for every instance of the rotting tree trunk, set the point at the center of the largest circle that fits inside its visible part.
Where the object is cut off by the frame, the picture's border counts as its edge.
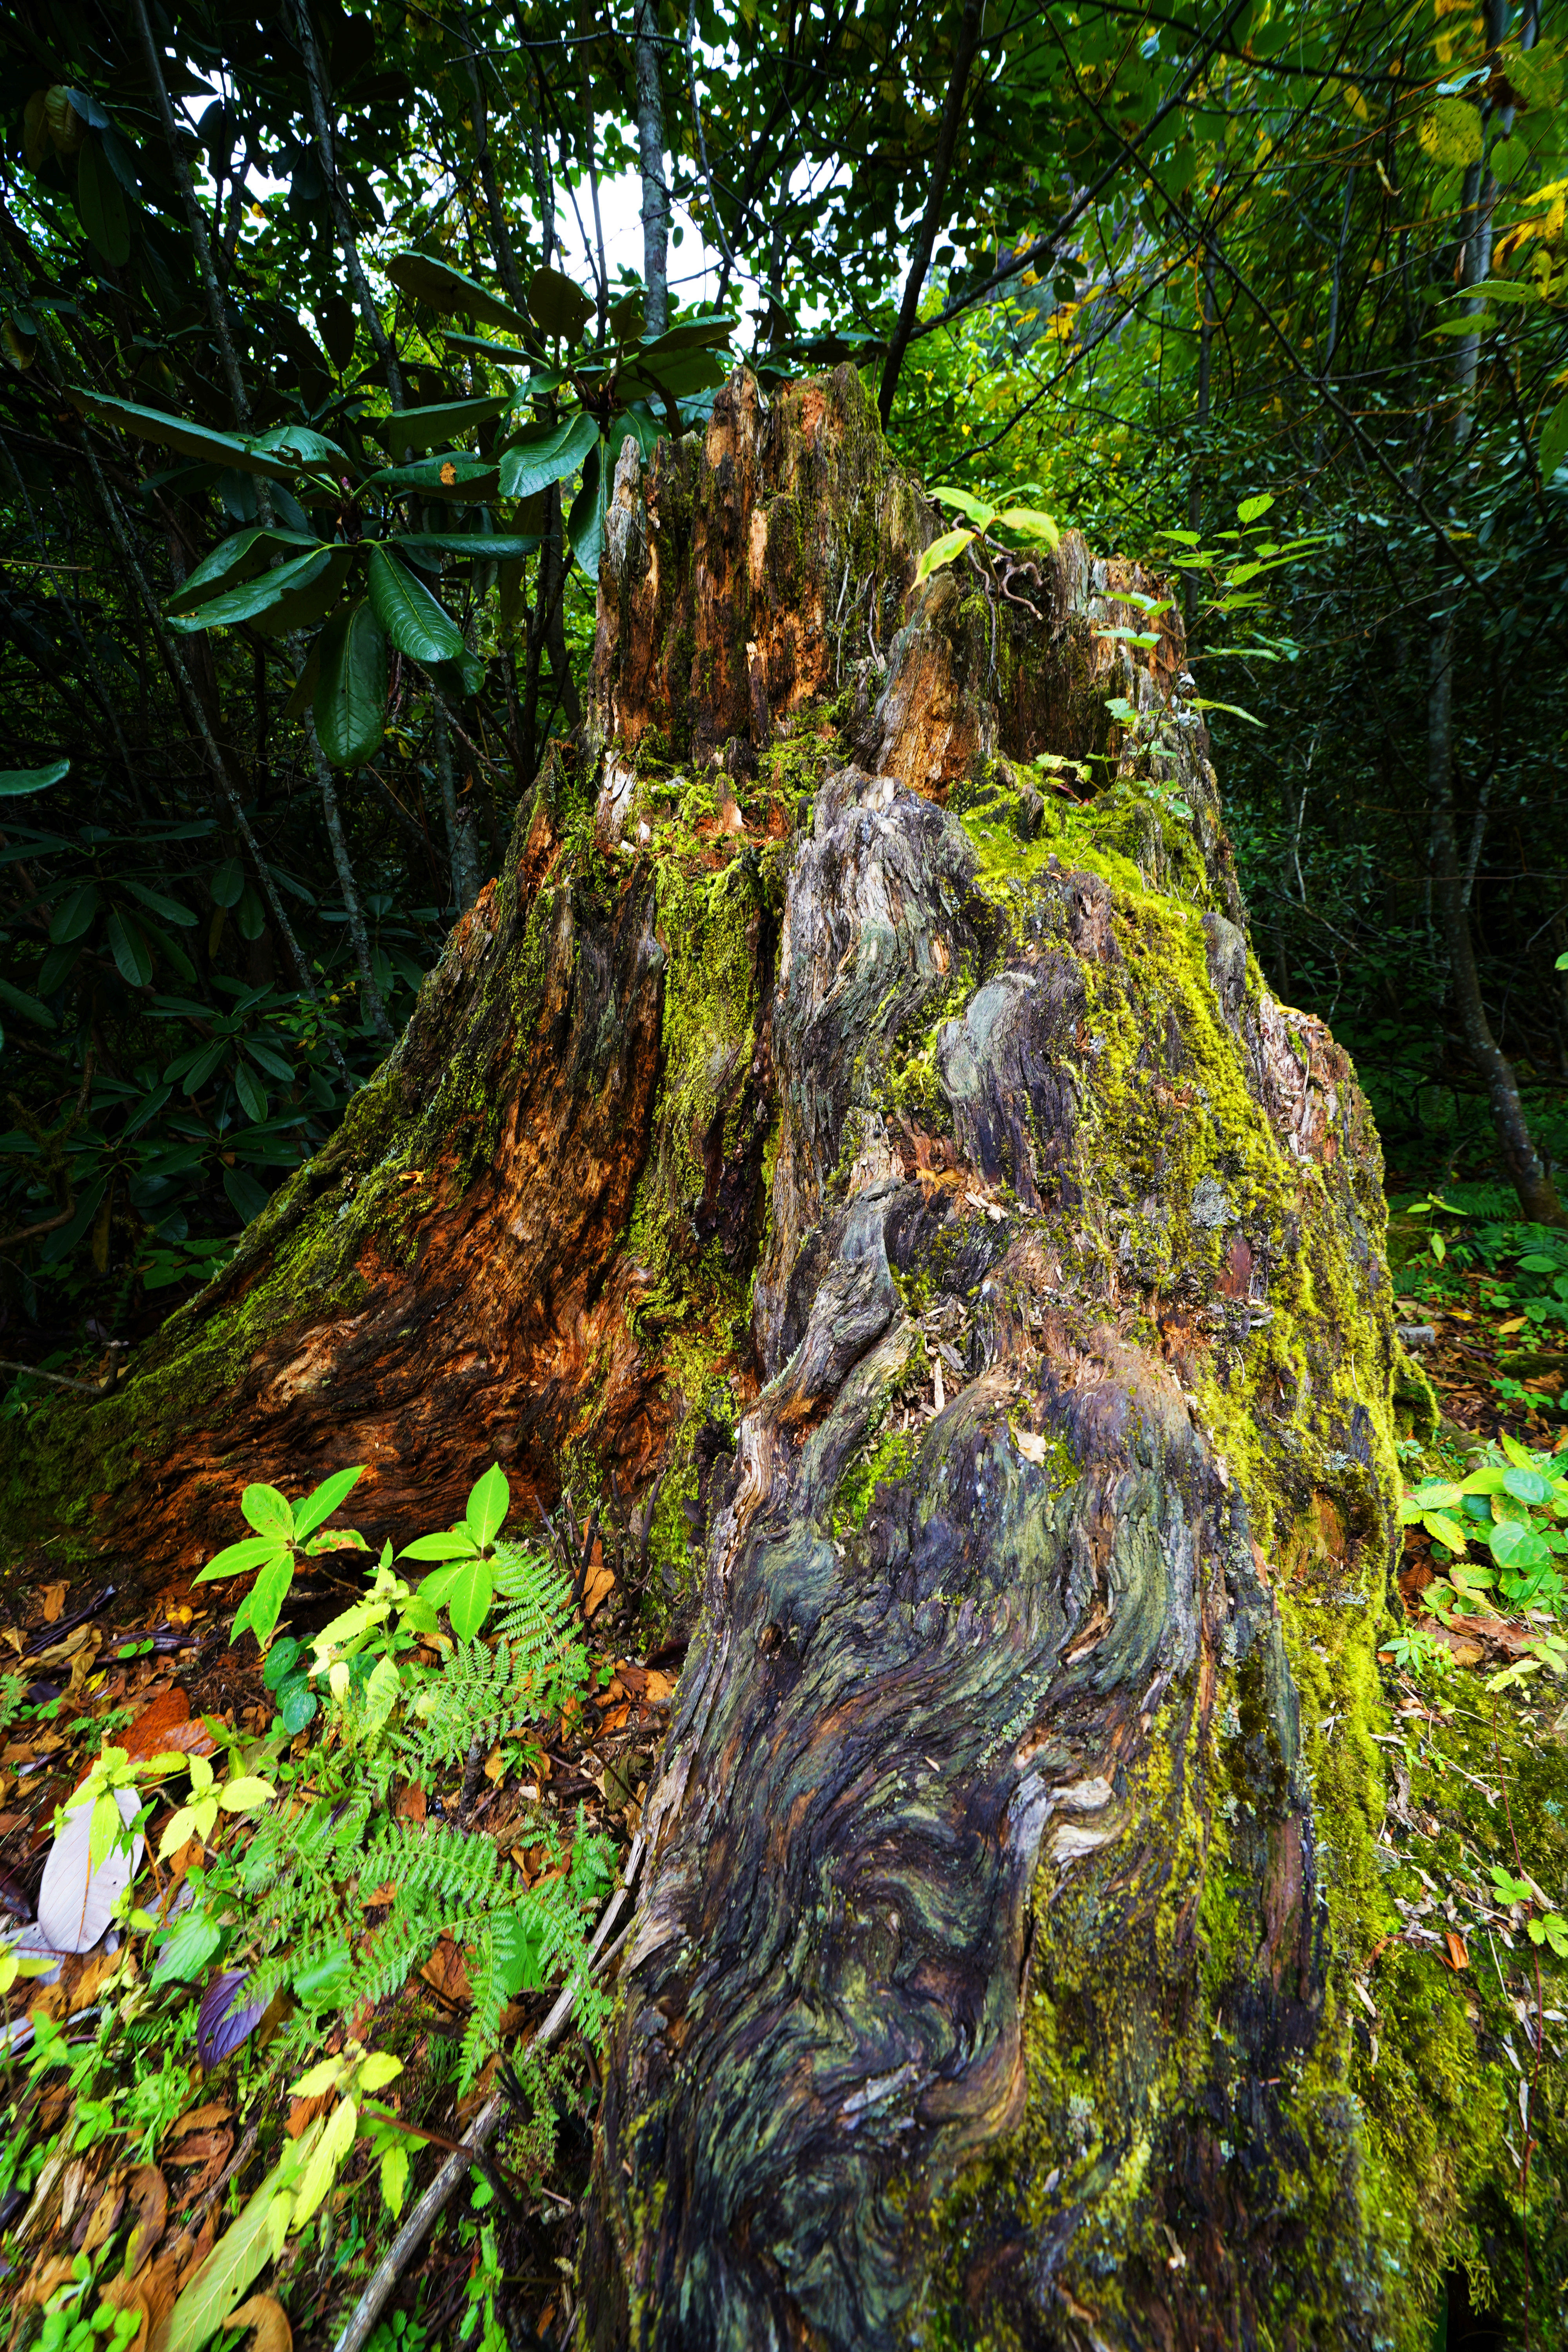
(911, 1166)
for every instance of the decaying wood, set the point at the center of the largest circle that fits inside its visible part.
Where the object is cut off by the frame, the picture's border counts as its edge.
(983, 1985)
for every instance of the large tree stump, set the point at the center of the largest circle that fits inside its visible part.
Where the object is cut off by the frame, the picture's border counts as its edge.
(857, 1098)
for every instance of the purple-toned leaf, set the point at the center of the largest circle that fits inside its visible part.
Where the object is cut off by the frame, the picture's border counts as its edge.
(226, 2018)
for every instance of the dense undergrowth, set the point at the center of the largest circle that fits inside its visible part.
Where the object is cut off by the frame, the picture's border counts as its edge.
(284, 1942)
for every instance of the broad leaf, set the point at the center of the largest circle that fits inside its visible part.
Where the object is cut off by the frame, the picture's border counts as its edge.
(448, 291)
(351, 695)
(128, 948)
(268, 1511)
(263, 1604)
(180, 433)
(75, 1901)
(416, 624)
(250, 548)
(546, 454)
(488, 1505)
(503, 547)
(585, 523)
(435, 428)
(239, 2256)
(323, 1501)
(249, 1552)
(257, 595)
(942, 551)
(185, 1952)
(558, 306)
(455, 1543)
(467, 1587)
(101, 201)
(15, 782)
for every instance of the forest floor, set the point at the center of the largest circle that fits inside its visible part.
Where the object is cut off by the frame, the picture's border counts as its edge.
(131, 2150)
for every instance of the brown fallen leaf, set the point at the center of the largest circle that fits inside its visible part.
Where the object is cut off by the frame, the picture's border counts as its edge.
(266, 2315)
(104, 2219)
(411, 1804)
(597, 1587)
(445, 1973)
(47, 2275)
(1458, 1957)
(147, 2194)
(214, 2149)
(304, 2112)
(54, 1602)
(216, 2111)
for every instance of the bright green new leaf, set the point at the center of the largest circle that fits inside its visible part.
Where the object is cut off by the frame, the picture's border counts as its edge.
(379, 2069)
(1444, 1530)
(268, 1511)
(488, 1505)
(263, 1604)
(416, 622)
(323, 1501)
(1030, 522)
(381, 1693)
(242, 1796)
(454, 1543)
(466, 1586)
(1250, 509)
(394, 2179)
(942, 551)
(981, 512)
(249, 1552)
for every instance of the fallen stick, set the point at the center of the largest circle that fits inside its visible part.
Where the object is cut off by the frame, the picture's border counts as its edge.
(417, 2228)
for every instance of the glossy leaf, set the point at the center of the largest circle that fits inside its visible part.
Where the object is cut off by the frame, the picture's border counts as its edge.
(585, 523)
(546, 454)
(488, 1503)
(503, 547)
(255, 596)
(942, 551)
(437, 428)
(226, 2018)
(263, 1604)
(324, 1499)
(557, 305)
(350, 696)
(235, 1559)
(268, 1511)
(182, 432)
(128, 948)
(15, 782)
(467, 1587)
(414, 622)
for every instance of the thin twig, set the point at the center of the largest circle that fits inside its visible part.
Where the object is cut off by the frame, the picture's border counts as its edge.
(417, 2227)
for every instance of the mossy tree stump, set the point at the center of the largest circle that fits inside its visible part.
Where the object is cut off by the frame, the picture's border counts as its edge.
(880, 1125)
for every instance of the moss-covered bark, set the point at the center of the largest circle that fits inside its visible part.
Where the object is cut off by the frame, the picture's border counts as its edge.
(857, 1105)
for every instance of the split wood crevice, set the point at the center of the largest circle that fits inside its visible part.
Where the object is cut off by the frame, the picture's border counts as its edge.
(989, 1976)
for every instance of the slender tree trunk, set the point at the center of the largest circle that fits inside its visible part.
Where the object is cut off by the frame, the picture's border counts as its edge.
(1450, 893)
(1007, 1915)
(372, 1006)
(650, 155)
(348, 245)
(1201, 418)
(971, 26)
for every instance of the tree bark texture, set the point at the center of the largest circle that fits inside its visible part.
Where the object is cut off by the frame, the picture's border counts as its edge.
(858, 1106)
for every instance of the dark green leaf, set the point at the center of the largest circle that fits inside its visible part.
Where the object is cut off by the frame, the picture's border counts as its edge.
(27, 1007)
(413, 619)
(585, 523)
(101, 201)
(500, 547)
(170, 909)
(448, 291)
(179, 433)
(74, 915)
(257, 595)
(351, 698)
(545, 454)
(435, 428)
(227, 883)
(1555, 439)
(558, 306)
(15, 782)
(128, 948)
(246, 552)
